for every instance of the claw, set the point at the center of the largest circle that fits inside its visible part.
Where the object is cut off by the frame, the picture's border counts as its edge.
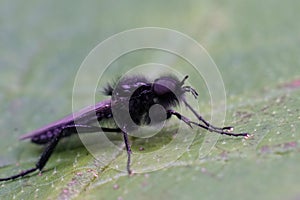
(247, 136)
(187, 121)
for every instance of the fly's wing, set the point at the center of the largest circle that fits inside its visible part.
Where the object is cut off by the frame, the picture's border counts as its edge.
(84, 116)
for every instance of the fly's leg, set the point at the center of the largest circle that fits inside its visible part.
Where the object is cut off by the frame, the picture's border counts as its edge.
(48, 152)
(87, 129)
(78, 128)
(67, 130)
(207, 124)
(41, 162)
(128, 149)
(23, 173)
(209, 128)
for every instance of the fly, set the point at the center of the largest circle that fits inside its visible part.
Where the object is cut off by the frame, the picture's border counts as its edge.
(166, 91)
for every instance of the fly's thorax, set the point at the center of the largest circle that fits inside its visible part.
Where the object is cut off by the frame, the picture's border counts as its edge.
(134, 97)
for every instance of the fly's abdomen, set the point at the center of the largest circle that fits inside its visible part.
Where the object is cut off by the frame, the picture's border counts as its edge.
(46, 136)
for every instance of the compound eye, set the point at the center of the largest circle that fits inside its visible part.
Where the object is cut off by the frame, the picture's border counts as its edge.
(160, 89)
(161, 86)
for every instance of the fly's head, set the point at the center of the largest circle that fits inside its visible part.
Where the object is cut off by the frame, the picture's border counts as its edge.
(169, 91)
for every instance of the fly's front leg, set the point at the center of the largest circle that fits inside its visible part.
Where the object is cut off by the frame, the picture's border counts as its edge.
(207, 124)
(209, 128)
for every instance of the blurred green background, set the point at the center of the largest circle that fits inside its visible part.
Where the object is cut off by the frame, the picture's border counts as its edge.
(255, 44)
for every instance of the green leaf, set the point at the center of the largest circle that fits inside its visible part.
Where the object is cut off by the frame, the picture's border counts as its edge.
(255, 45)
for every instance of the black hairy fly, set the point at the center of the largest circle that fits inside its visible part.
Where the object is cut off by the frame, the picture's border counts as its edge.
(167, 91)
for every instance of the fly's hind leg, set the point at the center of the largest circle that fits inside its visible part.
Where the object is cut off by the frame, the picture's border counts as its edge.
(67, 130)
(78, 128)
(42, 160)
